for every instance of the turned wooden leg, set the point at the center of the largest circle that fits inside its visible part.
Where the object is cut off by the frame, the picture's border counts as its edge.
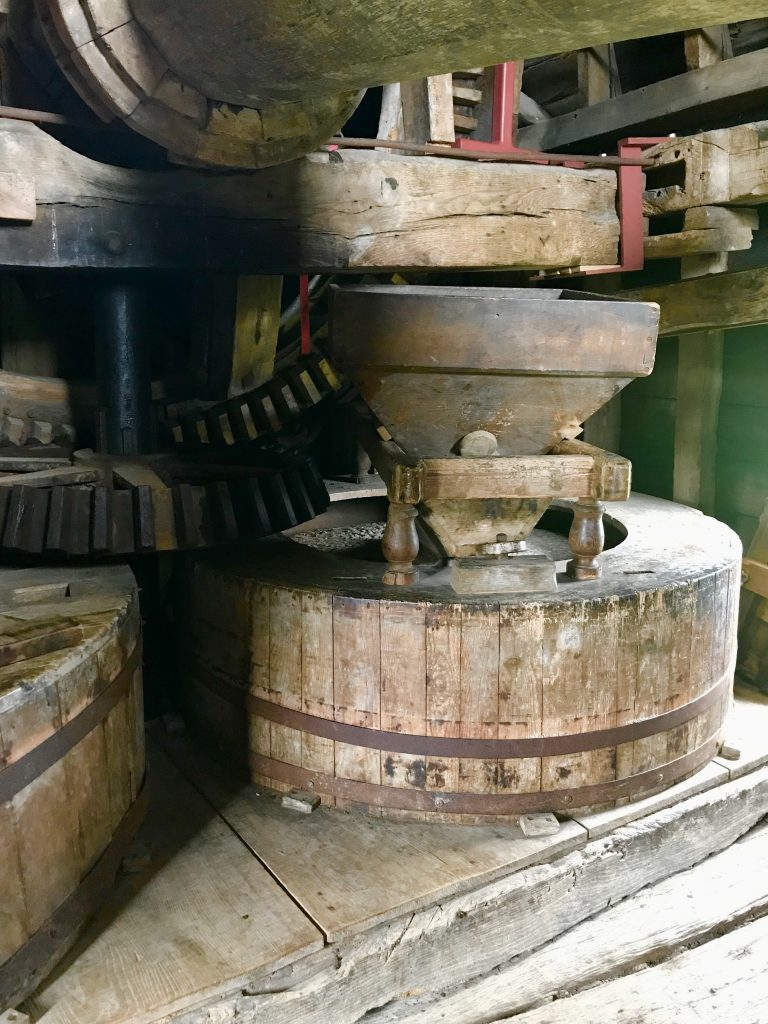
(400, 545)
(586, 539)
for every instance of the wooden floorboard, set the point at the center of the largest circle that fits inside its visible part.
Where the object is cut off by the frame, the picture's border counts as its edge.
(688, 908)
(227, 926)
(350, 871)
(726, 979)
(202, 914)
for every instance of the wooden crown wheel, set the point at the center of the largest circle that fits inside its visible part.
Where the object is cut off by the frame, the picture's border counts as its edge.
(98, 505)
(71, 757)
(116, 68)
(273, 408)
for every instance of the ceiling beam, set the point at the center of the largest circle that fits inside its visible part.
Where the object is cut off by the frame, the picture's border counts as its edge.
(691, 101)
(709, 303)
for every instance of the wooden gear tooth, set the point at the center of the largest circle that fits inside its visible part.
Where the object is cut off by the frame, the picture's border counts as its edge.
(73, 510)
(258, 414)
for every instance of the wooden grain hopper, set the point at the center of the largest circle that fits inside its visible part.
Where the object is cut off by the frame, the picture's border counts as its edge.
(479, 394)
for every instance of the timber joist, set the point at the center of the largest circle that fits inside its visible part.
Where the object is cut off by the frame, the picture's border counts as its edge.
(257, 415)
(98, 506)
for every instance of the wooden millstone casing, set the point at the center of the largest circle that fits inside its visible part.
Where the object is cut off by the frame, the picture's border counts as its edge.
(72, 757)
(423, 703)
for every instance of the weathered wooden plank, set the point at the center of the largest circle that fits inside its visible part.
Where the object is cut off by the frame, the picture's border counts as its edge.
(339, 211)
(709, 303)
(427, 948)
(723, 977)
(222, 914)
(685, 101)
(687, 908)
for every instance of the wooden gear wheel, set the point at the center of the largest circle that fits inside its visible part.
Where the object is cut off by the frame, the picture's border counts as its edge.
(43, 411)
(273, 408)
(116, 68)
(99, 505)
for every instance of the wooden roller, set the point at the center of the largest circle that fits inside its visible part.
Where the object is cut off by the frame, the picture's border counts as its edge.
(71, 757)
(430, 704)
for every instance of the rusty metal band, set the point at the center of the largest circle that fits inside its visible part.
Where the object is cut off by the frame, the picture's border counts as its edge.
(22, 973)
(15, 776)
(449, 746)
(441, 802)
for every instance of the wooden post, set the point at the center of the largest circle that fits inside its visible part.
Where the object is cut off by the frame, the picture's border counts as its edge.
(705, 46)
(243, 333)
(699, 386)
(594, 73)
(700, 355)
(428, 109)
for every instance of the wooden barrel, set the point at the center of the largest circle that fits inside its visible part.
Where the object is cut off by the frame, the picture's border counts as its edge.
(72, 748)
(416, 701)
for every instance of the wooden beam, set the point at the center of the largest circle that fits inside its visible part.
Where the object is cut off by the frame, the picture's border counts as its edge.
(328, 212)
(687, 101)
(709, 303)
(725, 166)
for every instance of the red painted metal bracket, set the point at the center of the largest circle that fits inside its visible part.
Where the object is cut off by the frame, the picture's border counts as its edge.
(502, 115)
(629, 202)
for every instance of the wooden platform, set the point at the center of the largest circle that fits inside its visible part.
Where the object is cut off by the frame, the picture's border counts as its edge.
(237, 910)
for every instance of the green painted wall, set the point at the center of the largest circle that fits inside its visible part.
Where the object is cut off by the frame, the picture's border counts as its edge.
(648, 424)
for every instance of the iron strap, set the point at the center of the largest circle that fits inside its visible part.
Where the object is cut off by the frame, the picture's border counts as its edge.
(449, 746)
(416, 799)
(22, 973)
(17, 775)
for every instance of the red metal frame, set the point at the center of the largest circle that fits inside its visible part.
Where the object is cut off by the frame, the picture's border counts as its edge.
(502, 115)
(306, 333)
(629, 201)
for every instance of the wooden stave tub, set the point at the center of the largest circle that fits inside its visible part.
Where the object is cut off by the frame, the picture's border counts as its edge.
(684, 570)
(72, 745)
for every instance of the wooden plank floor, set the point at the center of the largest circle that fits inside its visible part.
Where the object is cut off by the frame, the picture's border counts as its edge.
(248, 912)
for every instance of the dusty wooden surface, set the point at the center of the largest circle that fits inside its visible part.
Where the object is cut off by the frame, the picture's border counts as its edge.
(340, 211)
(68, 639)
(190, 964)
(733, 299)
(528, 365)
(318, 634)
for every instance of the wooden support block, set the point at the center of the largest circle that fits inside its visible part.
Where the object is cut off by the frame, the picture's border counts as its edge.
(513, 574)
(17, 197)
(594, 74)
(705, 46)
(757, 577)
(428, 109)
(706, 229)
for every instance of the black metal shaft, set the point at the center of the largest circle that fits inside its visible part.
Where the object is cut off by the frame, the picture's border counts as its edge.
(123, 366)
